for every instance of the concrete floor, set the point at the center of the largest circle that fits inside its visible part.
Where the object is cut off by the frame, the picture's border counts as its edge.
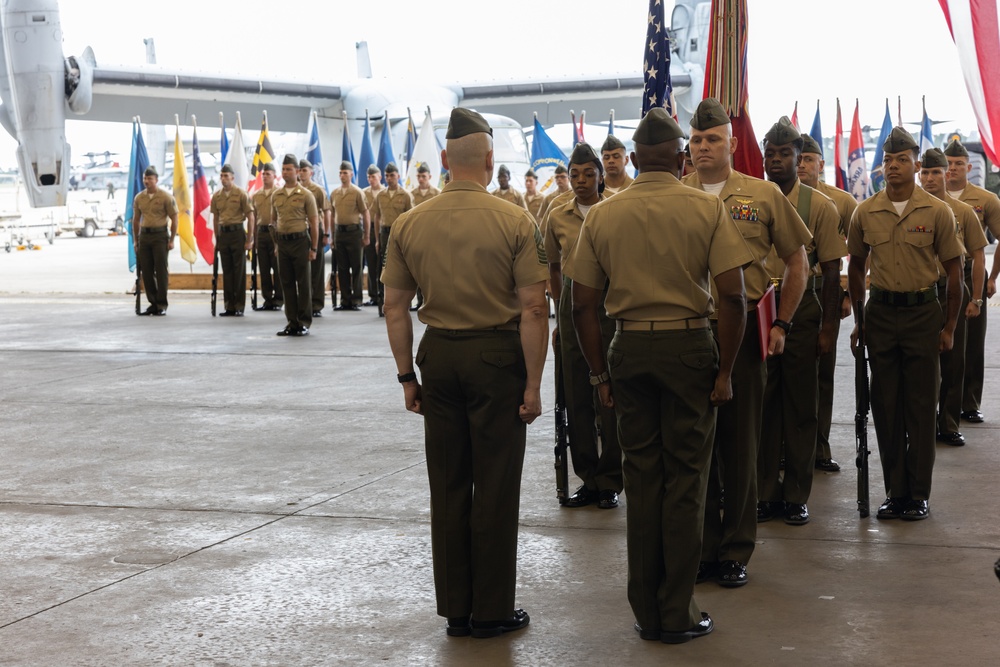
(196, 491)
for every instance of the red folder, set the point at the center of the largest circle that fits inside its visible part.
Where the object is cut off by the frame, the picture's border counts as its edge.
(767, 312)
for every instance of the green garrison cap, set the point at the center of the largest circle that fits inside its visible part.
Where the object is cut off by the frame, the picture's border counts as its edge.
(423, 169)
(503, 170)
(560, 169)
(709, 114)
(226, 169)
(373, 170)
(956, 149)
(150, 171)
(391, 168)
(612, 143)
(933, 157)
(782, 132)
(346, 166)
(809, 145)
(899, 141)
(531, 174)
(305, 164)
(466, 121)
(290, 159)
(656, 127)
(268, 166)
(584, 153)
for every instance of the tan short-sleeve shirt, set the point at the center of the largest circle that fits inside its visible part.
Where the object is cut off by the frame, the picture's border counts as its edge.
(845, 203)
(232, 207)
(349, 204)
(155, 209)
(262, 207)
(319, 194)
(534, 204)
(511, 195)
(370, 197)
(391, 204)
(904, 248)
(823, 223)
(969, 229)
(562, 231)
(420, 197)
(985, 204)
(292, 210)
(658, 242)
(468, 252)
(765, 218)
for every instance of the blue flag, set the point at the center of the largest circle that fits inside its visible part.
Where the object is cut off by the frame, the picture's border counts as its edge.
(656, 65)
(926, 134)
(347, 154)
(314, 154)
(877, 182)
(138, 161)
(817, 132)
(545, 157)
(224, 145)
(367, 156)
(385, 152)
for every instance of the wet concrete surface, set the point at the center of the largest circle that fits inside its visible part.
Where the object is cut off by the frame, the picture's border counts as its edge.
(196, 491)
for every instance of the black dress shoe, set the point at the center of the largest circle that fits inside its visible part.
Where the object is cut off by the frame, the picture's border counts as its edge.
(370, 302)
(582, 497)
(159, 312)
(607, 499)
(287, 331)
(891, 508)
(317, 313)
(952, 438)
(277, 306)
(732, 574)
(483, 629)
(703, 628)
(301, 331)
(915, 511)
(651, 635)
(148, 311)
(227, 313)
(340, 307)
(770, 509)
(974, 416)
(827, 465)
(796, 514)
(238, 313)
(706, 572)
(354, 306)
(458, 627)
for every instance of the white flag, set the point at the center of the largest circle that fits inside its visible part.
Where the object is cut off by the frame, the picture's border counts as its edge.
(425, 152)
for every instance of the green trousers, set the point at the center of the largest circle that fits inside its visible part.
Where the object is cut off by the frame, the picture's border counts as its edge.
(731, 531)
(790, 400)
(152, 256)
(593, 429)
(473, 386)
(296, 279)
(975, 350)
(233, 259)
(905, 374)
(953, 368)
(267, 267)
(317, 272)
(662, 382)
(350, 252)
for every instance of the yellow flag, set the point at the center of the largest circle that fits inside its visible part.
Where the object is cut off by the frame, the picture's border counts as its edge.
(185, 228)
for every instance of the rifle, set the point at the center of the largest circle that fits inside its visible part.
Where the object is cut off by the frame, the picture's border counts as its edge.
(253, 278)
(562, 440)
(138, 292)
(861, 392)
(215, 278)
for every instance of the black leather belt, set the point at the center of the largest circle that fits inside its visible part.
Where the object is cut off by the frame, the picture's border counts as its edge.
(153, 230)
(231, 228)
(904, 299)
(348, 228)
(292, 236)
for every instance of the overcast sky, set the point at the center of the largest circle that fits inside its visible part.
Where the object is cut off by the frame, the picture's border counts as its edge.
(798, 49)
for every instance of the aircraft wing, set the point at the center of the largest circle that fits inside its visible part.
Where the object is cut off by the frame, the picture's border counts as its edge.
(553, 99)
(156, 94)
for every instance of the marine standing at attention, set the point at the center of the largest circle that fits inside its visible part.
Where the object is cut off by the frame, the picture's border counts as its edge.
(230, 207)
(480, 360)
(154, 227)
(296, 221)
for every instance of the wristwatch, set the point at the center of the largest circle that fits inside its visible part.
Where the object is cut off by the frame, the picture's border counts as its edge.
(600, 378)
(978, 302)
(782, 324)
(406, 377)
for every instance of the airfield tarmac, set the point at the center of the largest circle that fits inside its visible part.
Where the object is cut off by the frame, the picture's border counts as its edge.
(196, 491)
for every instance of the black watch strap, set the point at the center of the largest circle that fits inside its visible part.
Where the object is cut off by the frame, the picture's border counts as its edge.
(782, 324)
(407, 377)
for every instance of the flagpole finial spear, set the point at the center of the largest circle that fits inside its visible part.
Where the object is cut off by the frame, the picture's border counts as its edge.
(222, 119)
(237, 117)
(194, 121)
(177, 120)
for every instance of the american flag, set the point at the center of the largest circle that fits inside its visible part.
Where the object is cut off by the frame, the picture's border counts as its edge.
(656, 64)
